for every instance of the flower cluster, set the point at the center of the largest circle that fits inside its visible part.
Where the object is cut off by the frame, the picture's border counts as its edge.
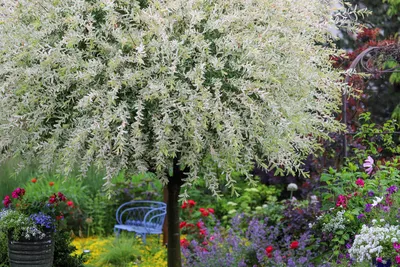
(194, 223)
(337, 222)
(379, 242)
(18, 193)
(44, 220)
(31, 218)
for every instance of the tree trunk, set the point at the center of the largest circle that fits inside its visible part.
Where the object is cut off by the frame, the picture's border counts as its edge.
(165, 226)
(174, 186)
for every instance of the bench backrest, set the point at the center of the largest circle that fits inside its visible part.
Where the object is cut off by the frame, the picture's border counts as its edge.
(142, 213)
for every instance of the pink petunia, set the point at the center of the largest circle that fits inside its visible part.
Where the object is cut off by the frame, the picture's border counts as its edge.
(360, 182)
(369, 165)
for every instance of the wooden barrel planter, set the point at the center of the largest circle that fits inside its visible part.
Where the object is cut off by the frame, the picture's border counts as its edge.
(31, 252)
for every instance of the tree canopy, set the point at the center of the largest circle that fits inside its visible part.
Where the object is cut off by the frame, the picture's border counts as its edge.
(132, 85)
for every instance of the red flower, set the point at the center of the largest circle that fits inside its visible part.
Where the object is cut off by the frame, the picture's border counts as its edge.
(294, 245)
(52, 199)
(34, 180)
(269, 255)
(211, 210)
(269, 249)
(203, 232)
(200, 224)
(191, 203)
(184, 243)
(182, 224)
(205, 213)
(184, 205)
(360, 182)
(70, 203)
(51, 183)
(205, 243)
(190, 225)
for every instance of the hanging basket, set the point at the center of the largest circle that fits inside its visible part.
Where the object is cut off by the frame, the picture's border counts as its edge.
(31, 252)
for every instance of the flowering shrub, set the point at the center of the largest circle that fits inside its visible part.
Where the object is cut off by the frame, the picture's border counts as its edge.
(195, 223)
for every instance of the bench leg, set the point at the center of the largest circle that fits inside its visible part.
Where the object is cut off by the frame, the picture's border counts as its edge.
(144, 238)
(117, 232)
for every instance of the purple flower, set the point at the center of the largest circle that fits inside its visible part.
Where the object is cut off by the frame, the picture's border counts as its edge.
(392, 189)
(348, 246)
(360, 216)
(369, 165)
(386, 208)
(368, 207)
(371, 193)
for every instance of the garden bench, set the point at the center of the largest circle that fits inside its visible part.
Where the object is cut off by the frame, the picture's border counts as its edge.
(142, 217)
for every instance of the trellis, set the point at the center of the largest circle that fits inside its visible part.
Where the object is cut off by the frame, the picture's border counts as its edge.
(367, 62)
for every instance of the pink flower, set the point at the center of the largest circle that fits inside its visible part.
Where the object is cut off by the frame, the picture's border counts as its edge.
(360, 182)
(396, 246)
(70, 204)
(379, 259)
(18, 192)
(6, 201)
(341, 201)
(397, 259)
(369, 165)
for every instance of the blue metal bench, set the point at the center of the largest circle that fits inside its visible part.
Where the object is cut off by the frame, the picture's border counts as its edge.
(142, 217)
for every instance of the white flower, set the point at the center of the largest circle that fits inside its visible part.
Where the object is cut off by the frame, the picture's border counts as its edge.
(292, 187)
(377, 201)
(314, 199)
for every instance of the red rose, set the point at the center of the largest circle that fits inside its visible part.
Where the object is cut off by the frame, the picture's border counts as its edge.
(200, 224)
(294, 245)
(202, 210)
(182, 224)
(269, 249)
(184, 243)
(184, 205)
(211, 210)
(191, 203)
(205, 213)
(70, 203)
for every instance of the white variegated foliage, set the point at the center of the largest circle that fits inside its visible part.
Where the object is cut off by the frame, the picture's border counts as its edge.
(224, 83)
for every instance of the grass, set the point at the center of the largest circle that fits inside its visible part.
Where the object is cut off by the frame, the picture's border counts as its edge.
(126, 251)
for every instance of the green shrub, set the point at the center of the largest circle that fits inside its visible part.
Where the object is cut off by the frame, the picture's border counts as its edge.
(63, 250)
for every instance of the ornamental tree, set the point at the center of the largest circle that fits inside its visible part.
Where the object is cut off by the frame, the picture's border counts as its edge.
(182, 88)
